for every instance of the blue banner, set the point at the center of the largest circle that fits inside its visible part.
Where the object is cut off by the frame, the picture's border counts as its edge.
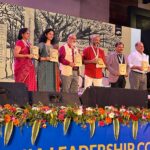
(78, 138)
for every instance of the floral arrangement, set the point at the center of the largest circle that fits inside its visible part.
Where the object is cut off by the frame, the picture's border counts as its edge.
(40, 116)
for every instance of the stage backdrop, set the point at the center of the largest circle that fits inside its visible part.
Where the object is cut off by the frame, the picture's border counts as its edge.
(13, 17)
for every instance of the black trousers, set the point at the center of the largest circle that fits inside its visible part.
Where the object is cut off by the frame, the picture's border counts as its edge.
(121, 83)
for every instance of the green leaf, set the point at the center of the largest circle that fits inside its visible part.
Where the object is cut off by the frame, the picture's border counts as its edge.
(134, 129)
(8, 132)
(35, 130)
(66, 125)
(92, 129)
(116, 128)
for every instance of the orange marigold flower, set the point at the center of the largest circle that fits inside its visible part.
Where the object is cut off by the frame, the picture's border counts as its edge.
(53, 109)
(44, 108)
(108, 120)
(44, 125)
(7, 118)
(101, 111)
(16, 122)
(26, 111)
(148, 116)
(7, 106)
(126, 114)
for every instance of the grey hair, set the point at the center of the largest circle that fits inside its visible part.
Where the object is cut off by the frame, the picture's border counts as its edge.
(71, 35)
(93, 36)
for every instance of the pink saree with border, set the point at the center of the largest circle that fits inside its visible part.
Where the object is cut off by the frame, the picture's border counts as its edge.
(24, 70)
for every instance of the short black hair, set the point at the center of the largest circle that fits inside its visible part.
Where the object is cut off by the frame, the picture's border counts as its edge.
(22, 31)
(119, 43)
(43, 37)
(137, 43)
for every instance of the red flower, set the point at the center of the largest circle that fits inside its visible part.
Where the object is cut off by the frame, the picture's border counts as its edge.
(101, 123)
(61, 116)
(134, 117)
(120, 120)
(13, 109)
(43, 121)
(62, 111)
(117, 113)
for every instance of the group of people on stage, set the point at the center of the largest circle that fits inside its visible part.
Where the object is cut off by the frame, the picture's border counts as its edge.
(51, 73)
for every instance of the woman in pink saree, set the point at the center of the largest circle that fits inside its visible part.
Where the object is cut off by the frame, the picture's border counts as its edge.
(24, 70)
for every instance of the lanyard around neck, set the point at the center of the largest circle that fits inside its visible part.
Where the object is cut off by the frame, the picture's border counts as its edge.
(96, 55)
(120, 58)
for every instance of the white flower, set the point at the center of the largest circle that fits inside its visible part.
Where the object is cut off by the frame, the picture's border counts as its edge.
(122, 110)
(79, 112)
(108, 107)
(48, 112)
(35, 108)
(138, 109)
(62, 107)
(89, 109)
(111, 115)
(1, 119)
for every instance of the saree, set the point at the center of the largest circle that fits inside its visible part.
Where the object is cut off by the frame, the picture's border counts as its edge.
(48, 77)
(24, 70)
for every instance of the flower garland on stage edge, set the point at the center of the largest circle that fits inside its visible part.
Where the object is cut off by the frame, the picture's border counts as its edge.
(39, 116)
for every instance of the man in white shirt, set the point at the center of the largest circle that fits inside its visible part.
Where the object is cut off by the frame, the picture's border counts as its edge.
(139, 65)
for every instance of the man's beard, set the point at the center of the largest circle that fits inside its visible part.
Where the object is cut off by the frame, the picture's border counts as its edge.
(96, 44)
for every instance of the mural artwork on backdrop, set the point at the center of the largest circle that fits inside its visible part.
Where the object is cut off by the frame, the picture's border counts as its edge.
(13, 17)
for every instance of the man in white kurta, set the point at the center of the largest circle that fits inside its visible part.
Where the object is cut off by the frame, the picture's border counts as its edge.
(69, 72)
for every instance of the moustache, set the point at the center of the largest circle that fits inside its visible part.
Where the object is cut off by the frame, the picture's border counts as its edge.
(96, 44)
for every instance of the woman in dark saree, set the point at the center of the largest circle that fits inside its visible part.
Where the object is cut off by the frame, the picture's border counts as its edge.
(47, 71)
